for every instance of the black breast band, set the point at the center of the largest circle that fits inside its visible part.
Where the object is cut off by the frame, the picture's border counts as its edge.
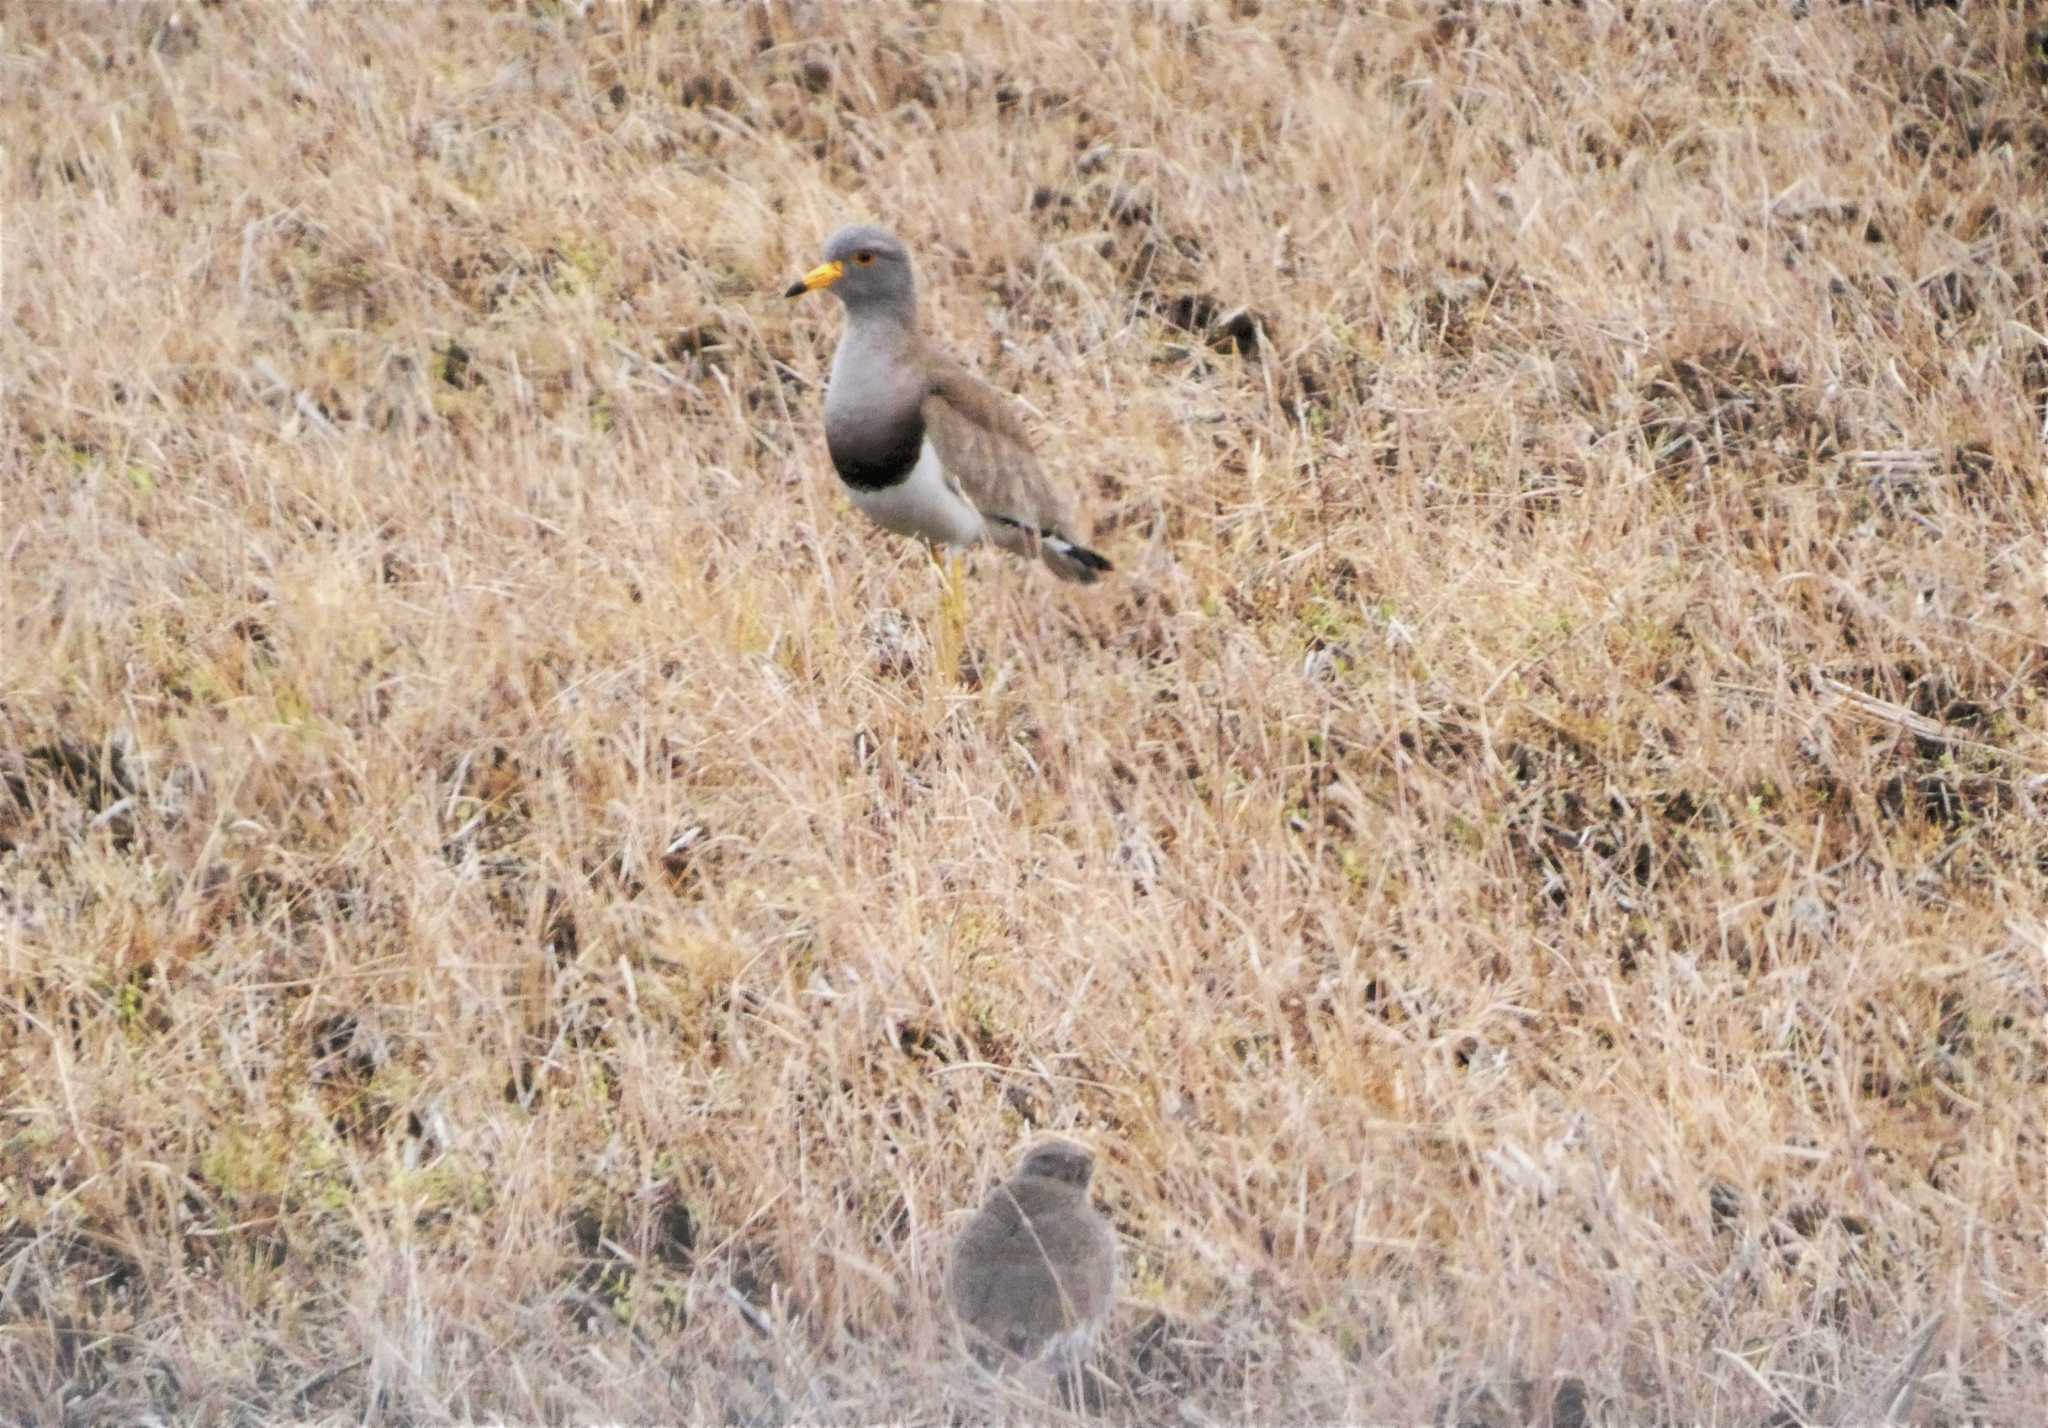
(871, 466)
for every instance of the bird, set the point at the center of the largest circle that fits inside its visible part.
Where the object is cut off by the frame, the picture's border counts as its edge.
(925, 447)
(1034, 1273)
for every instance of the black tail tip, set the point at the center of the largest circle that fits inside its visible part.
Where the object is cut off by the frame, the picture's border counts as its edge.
(1072, 561)
(1080, 564)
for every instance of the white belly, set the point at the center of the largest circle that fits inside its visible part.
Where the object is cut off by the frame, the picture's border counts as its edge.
(922, 504)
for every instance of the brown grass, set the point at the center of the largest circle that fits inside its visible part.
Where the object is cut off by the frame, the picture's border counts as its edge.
(1532, 874)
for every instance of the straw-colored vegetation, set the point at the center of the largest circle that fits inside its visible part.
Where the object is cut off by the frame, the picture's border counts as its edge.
(1534, 873)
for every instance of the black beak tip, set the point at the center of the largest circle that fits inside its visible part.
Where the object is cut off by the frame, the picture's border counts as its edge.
(796, 289)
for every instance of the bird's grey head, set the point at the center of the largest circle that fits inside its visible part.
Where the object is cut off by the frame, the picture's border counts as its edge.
(866, 268)
(1060, 1160)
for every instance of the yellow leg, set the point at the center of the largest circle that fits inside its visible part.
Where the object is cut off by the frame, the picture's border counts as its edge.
(952, 632)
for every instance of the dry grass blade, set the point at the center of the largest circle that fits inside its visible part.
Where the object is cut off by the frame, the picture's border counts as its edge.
(1907, 1382)
(1788, 1411)
(1892, 1398)
(1885, 711)
(752, 1317)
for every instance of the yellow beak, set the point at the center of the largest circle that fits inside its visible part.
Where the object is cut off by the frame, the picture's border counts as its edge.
(822, 276)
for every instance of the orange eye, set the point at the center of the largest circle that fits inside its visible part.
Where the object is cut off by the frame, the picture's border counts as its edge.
(863, 257)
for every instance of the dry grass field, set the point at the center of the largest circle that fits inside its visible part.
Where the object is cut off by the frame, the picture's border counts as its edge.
(1533, 874)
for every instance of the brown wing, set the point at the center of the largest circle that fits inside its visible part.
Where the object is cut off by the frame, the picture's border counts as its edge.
(984, 447)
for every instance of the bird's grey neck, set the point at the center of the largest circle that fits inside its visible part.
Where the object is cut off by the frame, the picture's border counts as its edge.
(896, 310)
(876, 336)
